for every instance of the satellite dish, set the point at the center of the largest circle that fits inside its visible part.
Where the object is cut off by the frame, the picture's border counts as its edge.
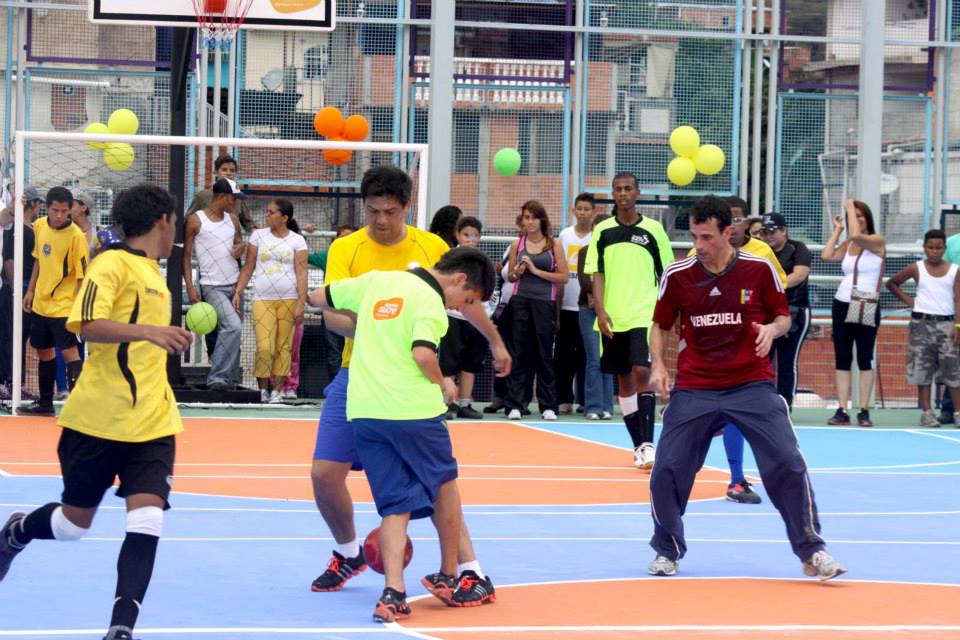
(272, 80)
(888, 183)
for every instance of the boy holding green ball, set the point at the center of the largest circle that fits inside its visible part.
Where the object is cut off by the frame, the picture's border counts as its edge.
(121, 418)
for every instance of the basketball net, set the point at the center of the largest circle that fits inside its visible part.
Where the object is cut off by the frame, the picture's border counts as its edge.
(219, 21)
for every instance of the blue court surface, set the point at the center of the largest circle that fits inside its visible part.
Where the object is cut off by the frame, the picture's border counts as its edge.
(238, 567)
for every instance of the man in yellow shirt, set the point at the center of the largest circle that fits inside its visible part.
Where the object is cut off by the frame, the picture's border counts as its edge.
(739, 489)
(62, 255)
(387, 243)
(121, 418)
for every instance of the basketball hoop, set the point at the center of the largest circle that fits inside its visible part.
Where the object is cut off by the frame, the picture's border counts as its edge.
(219, 21)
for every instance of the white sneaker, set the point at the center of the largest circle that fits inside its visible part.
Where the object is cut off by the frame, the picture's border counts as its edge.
(606, 415)
(549, 414)
(276, 397)
(264, 396)
(663, 566)
(289, 394)
(644, 456)
(822, 565)
(592, 416)
(514, 414)
(927, 419)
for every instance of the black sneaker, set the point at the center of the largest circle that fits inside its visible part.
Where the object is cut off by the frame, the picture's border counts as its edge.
(863, 418)
(119, 633)
(391, 606)
(339, 570)
(36, 409)
(440, 585)
(452, 410)
(742, 493)
(840, 418)
(8, 548)
(945, 418)
(469, 413)
(473, 591)
(493, 407)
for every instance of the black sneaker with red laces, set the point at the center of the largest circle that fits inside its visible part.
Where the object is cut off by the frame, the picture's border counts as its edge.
(391, 606)
(440, 585)
(473, 591)
(339, 570)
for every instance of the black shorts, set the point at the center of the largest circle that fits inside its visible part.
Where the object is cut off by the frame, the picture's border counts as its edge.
(90, 465)
(47, 333)
(462, 349)
(625, 350)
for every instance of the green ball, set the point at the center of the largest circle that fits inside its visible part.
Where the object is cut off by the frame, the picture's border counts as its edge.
(202, 318)
(507, 162)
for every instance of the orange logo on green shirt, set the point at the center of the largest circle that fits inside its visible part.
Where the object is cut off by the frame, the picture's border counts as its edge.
(387, 309)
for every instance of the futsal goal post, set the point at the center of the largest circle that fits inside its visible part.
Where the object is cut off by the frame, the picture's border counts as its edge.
(324, 196)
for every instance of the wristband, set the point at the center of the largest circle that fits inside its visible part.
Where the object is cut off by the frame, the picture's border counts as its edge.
(956, 325)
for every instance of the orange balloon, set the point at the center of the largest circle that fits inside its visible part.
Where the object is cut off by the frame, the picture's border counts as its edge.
(328, 122)
(355, 128)
(337, 156)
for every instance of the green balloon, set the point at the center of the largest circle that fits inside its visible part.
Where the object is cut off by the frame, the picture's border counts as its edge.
(507, 162)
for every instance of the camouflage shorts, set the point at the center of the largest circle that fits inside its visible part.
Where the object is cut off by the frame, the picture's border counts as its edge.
(932, 352)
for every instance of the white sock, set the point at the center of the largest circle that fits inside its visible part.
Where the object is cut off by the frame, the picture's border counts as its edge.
(471, 566)
(349, 549)
(466, 402)
(629, 404)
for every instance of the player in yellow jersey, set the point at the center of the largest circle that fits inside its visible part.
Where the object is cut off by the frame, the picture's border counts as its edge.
(62, 256)
(387, 243)
(121, 418)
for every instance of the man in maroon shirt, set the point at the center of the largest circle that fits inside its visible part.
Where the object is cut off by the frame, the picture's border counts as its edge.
(731, 307)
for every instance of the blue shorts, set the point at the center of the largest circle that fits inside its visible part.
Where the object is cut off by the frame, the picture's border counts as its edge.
(407, 461)
(334, 434)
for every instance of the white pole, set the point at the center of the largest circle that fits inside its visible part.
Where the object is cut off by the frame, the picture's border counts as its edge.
(17, 284)
(940, 103)
(232, 84)
(745, 102)
(773, 80)
(202, 115)
(757, 112)
(424, 185)
(217, 84)
(870, 115)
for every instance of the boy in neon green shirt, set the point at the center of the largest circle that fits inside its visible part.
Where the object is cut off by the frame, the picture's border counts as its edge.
(396, 405)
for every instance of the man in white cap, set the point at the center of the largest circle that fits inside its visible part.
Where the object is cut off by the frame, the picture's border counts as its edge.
(215, 233)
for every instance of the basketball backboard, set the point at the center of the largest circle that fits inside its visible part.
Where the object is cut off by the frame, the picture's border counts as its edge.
(318, 15)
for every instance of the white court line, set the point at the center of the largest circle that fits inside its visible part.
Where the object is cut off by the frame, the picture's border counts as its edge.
(393, 628)
(938, 436)
(917, 465)
(539, 539)
(356, 478)
(472, 513)
(622, 467)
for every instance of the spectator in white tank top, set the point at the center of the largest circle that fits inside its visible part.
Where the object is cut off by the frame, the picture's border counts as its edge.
(863, 251)
(934, 332)
(215, 233)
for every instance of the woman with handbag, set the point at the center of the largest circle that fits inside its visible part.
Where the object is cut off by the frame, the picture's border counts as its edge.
(856, 308)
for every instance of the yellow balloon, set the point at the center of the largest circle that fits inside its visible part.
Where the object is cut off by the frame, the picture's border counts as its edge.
(681, 171)
(123, 122)
(96, 127)
(685, 141)
(118, 156)
(709, 159)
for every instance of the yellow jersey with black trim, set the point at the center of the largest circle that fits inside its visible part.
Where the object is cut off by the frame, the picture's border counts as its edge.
(123, 393)
(62, 257)
(760, 249)
(358, 253)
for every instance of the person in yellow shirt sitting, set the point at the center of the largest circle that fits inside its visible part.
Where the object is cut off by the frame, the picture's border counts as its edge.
(121, 418)
(739, 489)
(62, 255)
